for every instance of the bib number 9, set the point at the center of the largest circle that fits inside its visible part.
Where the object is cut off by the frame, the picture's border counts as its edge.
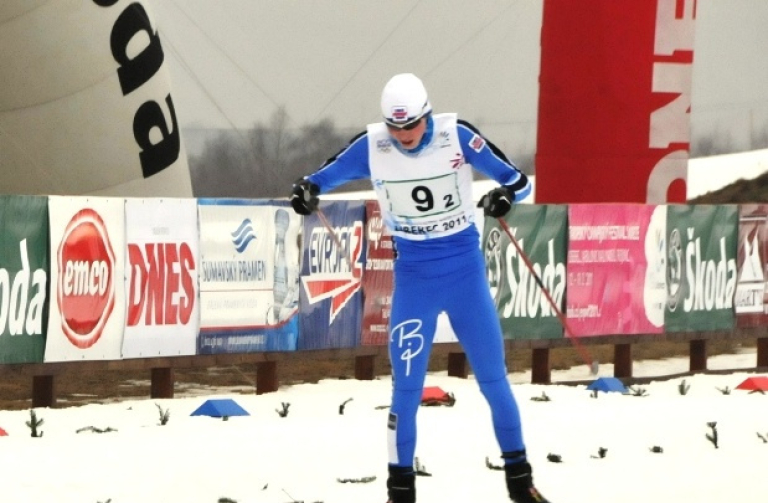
(420, 198)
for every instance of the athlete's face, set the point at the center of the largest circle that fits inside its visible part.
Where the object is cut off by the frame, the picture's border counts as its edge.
(409, 137)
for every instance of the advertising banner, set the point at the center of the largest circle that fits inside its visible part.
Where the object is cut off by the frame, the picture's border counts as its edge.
(248, 273)
(523, 309)
(161, 282)
(24, 264)
(614, 101)
(332, 276)
(87, 278)
(701, 267)
(751, 300)
(85, 102)
(378, 278)
(616, 268)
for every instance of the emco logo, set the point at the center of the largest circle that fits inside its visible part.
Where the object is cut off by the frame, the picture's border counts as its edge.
(86, 287)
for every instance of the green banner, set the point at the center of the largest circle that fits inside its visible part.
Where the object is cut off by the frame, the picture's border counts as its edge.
(701, 267)
(540, 232)
(24, 271)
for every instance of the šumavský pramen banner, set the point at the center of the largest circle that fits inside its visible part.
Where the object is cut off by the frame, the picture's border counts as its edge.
(701, 267)
(540, 231)
(24, 262)
(249, 265)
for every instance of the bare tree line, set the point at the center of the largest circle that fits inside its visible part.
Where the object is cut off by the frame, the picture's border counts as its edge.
(263, 162)
(722, 142)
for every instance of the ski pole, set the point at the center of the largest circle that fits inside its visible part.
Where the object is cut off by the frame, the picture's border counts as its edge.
(336, 239)
(583, 352)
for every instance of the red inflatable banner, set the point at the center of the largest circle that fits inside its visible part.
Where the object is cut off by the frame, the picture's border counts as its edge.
(614, 101)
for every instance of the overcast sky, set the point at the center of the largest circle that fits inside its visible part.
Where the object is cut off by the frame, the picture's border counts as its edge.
(233, 62)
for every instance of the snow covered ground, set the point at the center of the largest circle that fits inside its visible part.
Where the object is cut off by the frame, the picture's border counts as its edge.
(306, 455)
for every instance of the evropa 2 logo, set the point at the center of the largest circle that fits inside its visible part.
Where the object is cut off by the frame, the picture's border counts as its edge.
(86, 287)
(329, 266)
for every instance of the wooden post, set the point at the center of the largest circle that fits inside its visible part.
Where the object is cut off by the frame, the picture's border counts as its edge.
(457, 365)
(540, 372)
(762, 352)
(43, 391)
(698, 355)
(161, 385)
(622, 360)
(365, 367)
(266, 377)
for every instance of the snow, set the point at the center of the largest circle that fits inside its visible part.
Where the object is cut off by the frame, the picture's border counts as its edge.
(707, 174)
(264, 457)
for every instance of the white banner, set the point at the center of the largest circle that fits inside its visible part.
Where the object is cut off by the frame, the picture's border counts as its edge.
(249, 266)
(162, 317)
(85, 101)
(87, 308)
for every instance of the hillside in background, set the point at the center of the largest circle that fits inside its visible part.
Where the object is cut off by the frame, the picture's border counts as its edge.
(754, 190)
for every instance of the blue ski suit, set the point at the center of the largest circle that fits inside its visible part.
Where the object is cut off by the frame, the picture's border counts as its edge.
(425, 196)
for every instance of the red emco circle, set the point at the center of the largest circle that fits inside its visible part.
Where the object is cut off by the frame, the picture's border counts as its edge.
(86, 289)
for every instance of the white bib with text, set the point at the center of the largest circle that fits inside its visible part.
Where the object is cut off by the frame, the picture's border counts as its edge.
(427, 194)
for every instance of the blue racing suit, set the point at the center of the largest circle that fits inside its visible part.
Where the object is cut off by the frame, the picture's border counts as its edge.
(425, 196)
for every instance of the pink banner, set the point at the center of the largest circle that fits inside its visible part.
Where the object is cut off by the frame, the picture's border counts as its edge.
(616, 269)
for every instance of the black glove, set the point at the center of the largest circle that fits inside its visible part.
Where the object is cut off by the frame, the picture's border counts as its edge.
(497, 202)
(304, 197)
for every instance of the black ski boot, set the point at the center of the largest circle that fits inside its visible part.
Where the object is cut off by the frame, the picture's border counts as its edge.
(520, 484)
(401, 485)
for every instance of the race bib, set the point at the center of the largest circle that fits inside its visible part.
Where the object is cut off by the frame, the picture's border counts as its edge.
(422, 198)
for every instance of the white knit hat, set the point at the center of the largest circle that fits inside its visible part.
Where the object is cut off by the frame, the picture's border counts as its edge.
(404, 100)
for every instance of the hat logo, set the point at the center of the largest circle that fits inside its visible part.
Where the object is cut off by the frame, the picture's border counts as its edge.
(399, 114)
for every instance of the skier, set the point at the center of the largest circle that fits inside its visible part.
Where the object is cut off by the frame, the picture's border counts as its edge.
(420, 165)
